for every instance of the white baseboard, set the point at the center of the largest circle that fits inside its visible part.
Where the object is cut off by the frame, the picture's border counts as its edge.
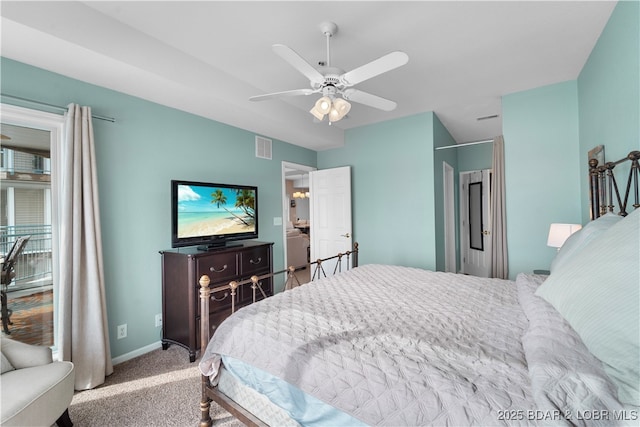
(135, 353)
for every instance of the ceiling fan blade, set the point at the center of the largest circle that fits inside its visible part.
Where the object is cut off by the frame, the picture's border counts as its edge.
(374, 68)
(298, 63)
(274, 95)
(365, 98)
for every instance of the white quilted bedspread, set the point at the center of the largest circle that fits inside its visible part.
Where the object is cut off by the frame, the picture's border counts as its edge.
(391, 346)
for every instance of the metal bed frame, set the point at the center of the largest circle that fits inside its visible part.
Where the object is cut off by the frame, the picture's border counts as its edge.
(211, 393)
(603, 187)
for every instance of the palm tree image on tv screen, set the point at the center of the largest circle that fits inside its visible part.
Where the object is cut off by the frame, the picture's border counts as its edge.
(245, 200)
(210, 211)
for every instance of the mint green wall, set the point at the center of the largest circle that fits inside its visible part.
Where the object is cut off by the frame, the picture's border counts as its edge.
(442, 138)
(137, 156)
(475, 157)
(609, 90)
(392, 189)
(542, 170)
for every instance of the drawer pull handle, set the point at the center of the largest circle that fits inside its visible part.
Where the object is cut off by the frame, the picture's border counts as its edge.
(226, 294)
(224, 267)
(256, 262)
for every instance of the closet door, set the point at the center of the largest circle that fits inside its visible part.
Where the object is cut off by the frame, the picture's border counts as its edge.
(475, 222)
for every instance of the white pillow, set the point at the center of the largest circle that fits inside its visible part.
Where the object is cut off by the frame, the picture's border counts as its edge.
(597, 291)
(6, 366)
(582, 237)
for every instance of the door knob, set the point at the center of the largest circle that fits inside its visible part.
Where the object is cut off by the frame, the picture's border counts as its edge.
(346, 235)
(486, 232)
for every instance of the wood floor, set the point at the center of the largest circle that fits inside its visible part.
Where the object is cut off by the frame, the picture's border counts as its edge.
(32, 318)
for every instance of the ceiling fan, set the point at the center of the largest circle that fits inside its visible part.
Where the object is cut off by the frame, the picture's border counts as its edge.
(336, 85)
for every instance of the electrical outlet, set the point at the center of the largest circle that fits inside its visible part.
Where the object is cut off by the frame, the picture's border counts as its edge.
(158, 320)
(122, 331)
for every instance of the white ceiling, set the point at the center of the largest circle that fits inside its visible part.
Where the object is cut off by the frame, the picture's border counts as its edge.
(17, 137)
(209, 57)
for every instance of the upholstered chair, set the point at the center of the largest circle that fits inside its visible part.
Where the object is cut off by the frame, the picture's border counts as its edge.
(34, 389)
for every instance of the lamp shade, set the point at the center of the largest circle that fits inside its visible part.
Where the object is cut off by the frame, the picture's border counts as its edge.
(321, 107)
(559, 233)
(339, 110)
(323, 104)
(316, 113)
(334, 115)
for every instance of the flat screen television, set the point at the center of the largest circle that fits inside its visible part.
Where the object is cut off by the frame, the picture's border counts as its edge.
(211, 215)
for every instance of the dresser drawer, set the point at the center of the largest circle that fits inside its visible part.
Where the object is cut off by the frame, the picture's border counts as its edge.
(218, 301)
(254, 260)
(220, 269)
(214, 321)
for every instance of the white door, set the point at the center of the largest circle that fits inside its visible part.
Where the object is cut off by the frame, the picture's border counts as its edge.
(475, 222)
(449, 219)
(330, 215)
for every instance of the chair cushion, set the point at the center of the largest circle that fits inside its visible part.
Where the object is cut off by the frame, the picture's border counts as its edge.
(22, 355)
(293, 232)
(37, 395)
(6, 365)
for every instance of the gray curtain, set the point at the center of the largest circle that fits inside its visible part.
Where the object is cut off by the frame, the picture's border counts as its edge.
(499, 258)
(82, 334)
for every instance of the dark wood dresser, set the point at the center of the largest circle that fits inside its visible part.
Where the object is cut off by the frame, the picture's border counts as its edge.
(181, 270)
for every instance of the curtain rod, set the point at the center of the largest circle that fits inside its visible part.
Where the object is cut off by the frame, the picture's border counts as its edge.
(57, 107)
(464, 144)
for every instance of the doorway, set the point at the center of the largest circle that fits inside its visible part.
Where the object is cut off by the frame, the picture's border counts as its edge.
(296, 217)
(26, 210)
(329, 225)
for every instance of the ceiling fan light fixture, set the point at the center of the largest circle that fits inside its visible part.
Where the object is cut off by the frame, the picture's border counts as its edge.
(323, 105)
(342, 106)
(321, 108)
(334, 115)
(316, 113)
(339, 109)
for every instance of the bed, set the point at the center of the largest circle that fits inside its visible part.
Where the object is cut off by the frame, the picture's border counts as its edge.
(401, 346)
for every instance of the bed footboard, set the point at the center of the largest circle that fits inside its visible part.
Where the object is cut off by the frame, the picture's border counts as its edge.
(211, 393)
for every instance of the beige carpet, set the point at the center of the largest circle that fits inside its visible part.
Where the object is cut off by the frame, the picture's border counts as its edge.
(160, 388)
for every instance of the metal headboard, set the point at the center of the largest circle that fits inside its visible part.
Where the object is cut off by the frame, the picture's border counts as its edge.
(603, 186)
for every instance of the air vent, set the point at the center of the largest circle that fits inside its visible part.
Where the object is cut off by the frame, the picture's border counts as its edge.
(263, 147)
(493, 116)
